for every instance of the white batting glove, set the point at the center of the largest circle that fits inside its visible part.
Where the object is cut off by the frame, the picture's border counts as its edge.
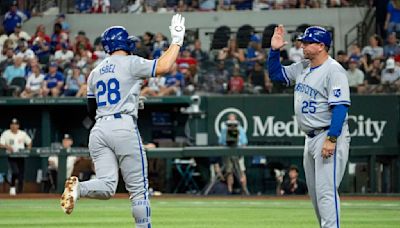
(177, 29)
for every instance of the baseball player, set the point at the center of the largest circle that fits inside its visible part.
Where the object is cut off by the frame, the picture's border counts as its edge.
(114, 141)
(321, 102)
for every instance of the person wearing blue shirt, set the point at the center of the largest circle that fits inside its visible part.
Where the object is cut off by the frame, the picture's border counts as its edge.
(12, 18)
(53, 82)
(74, 82)
(15, 70)
(233, 134)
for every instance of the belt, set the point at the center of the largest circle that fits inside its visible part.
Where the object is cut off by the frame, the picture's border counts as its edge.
(315, 132)
(113, 116)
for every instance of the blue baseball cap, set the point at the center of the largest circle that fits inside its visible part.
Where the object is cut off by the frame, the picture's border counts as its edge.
(316, 34)
(255, 38)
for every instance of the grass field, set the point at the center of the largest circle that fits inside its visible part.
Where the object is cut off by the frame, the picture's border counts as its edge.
(196, 212)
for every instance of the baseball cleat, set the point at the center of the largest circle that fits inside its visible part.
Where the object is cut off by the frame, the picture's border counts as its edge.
(70, 195)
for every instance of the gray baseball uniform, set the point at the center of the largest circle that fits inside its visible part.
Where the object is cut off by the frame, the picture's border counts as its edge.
(316, 89)
(114, 140)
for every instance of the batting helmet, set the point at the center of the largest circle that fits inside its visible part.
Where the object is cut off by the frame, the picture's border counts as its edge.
(116, 38)
(317, 34)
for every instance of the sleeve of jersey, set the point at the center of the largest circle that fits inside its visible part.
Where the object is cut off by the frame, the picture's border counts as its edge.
(90, 89)
(278, 73)
(338, 88)
(143, 68)
(339, 113)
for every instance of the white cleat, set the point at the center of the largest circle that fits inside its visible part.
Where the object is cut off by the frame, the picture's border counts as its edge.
(70, 195)
(13, 191)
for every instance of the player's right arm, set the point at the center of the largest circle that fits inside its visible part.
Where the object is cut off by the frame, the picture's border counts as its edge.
(177, 28)
(277, 72)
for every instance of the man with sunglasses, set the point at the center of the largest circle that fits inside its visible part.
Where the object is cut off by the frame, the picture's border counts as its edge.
(321, 102)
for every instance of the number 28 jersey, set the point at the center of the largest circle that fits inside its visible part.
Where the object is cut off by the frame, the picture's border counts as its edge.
(116, 83)
(316, 90)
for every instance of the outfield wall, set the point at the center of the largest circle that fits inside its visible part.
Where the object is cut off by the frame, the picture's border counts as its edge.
(373, 120)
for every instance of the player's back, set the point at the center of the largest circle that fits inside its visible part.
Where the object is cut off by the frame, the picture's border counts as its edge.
(116, 84)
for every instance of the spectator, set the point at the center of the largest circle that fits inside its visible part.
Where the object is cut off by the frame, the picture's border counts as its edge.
(148, 40)
(153, 86)
(82, 42)
(64, 24)
(13, 140)
(231, 55)
(74, 83)
(390, 77)
(392, 48)
(373, 77)
(174, 82)
(141, 49)
(294, 185)
(12, 18)
(83, 6)
(355, 76)
(34, 83)
(66, 143)
(296, 52)
(198, 54)
(53, 82)
(41, 48)
(259, 80)
(206, 5)
(57, 38)
(64, 56)
(40, 32)
(216, 79)
(233, 134)
(374, 49)
(15, 70)
(343, 59)
(254, 53)
(19, 34)
(7, 60)
(259, 5)
(392, 23)
(236, 82)
(24, 52)
(225, 5)
(242, 4)
(186, 57)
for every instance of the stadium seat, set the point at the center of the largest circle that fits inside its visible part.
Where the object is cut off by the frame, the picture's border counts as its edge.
(243, 35)
(267, 35)
(220, 38)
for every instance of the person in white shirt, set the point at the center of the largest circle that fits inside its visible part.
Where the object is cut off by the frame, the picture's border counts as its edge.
(13, 140)
(296, 52)
(64, 55)
(390, 77)
(24, 52)
(19, 34)
(34, 83)
(355, 76)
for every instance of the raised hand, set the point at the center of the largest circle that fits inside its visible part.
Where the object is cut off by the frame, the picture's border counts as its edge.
(278, 39)
(177, 29)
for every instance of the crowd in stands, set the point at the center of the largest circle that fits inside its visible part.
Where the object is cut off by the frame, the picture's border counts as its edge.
(146, 6)
(57, 63)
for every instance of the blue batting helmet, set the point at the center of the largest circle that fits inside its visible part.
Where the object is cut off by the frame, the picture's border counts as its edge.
(116, 38)
(317, 34)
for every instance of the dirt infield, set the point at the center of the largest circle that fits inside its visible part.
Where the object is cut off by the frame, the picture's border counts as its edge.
(234, 197)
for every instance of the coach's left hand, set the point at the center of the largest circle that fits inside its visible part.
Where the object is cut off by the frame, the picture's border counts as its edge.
(328, 148)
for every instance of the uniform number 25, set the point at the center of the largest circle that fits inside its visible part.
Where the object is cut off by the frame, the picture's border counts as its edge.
(108, 92)
(309, 107)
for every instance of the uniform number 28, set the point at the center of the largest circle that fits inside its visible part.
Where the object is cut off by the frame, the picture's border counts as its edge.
(309, 107)
(108, 92)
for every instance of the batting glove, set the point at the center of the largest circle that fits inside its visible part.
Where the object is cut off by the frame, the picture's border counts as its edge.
(177, 29)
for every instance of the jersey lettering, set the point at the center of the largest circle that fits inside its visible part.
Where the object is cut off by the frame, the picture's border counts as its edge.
(110, 68)
(112, 90)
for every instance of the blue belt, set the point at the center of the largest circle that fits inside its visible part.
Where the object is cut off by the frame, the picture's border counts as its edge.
(117, 115)
(314, 133)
